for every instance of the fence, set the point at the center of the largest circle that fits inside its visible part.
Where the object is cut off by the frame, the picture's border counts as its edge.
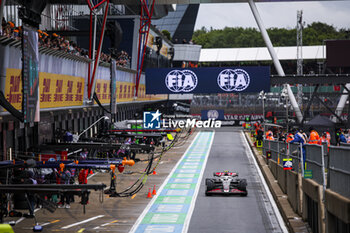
(306, 197)
(282, 150)
(339, 170)
(315, 161)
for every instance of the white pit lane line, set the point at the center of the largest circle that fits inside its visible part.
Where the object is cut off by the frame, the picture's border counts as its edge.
(22, 218)
(191, 208)
(267, 190)
(81, 222)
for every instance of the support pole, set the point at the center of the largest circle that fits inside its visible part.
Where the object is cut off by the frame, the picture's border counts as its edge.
(2, 4)
(274, 57)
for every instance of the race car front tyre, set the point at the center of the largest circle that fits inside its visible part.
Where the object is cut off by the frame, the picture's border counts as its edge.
(242, 185)
(210, 184)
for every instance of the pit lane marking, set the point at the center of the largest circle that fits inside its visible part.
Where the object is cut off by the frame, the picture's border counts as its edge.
(48, 223)
(173, 213)
(81, 222)
(105, 224)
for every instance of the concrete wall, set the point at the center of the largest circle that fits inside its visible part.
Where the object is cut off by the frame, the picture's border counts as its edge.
(273, 167)
(281, 177)
(292, 190)
(337, 206)
(314, 191)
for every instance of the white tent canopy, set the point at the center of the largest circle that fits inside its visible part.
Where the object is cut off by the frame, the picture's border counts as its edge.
(260, 54)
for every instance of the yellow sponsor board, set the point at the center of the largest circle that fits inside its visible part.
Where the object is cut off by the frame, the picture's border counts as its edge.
(103, 90)
(150, 40)
(13, 87)
(125, 91)
(55, 90)
(63, 90)
(164, 50)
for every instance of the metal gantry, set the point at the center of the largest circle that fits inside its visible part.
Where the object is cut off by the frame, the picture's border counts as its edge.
(145, 24)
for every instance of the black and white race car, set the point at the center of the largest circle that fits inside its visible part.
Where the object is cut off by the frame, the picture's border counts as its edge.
(226, 184)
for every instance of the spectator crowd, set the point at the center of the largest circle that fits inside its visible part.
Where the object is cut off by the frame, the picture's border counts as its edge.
(57, 42)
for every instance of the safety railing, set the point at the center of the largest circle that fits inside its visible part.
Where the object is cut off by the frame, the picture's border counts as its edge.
(325, 179)
(282, 150)
(315, 162)
(339, 170)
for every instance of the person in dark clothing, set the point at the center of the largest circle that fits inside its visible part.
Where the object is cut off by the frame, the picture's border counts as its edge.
(63, 178)
(31, 199)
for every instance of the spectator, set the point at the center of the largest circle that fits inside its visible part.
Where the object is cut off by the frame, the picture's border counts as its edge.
(299, 137)
(314, 137)
(57, 42)
(341, 137)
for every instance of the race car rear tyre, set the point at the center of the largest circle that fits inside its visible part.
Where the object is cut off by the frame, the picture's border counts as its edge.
(242, 185)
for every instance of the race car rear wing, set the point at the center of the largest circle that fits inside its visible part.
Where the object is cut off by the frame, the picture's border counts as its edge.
(233, 174)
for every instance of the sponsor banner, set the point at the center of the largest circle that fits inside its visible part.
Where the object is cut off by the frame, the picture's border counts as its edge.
(237, 119)
(308, 174)
(287, 164)
(103, 90)
(30, 75)
(58, 90)
(150, 40)
(164, 50)
(213, 114)
(125, 91)
(113, 87)
(208, 80)
(55, 90)
(13, 88)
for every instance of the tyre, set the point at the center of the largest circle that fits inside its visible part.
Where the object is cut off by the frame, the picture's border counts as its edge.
(207, 180)
(210, 184)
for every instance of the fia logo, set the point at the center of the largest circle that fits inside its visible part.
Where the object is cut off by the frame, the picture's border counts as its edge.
(233, 80)
(181, 81)
(151, 120)
(212, 114)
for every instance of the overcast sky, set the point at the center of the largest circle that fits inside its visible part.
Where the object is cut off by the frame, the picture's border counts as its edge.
(218, 16)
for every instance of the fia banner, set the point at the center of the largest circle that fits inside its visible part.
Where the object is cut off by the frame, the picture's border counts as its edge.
(212, 114)
(208, 80)
(30, 74)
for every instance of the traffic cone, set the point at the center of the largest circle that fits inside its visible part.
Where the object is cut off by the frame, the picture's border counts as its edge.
(149, 195)
(91, 172)
(154, 172)
(154, 190)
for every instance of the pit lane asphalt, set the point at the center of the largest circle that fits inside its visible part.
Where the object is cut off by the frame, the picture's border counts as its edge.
(253, 213)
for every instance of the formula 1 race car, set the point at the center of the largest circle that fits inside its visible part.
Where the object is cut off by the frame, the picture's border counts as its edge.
(226, 184)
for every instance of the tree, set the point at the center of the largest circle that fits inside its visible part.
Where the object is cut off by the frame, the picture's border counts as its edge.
(166, 33)
(313, 34)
